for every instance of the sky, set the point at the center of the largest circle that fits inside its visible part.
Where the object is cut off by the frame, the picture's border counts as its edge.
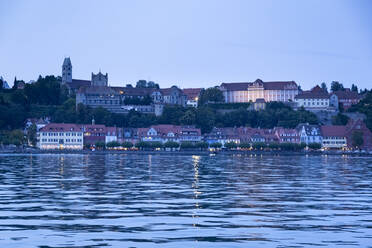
(189, 43)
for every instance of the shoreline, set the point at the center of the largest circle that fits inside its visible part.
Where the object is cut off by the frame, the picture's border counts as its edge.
(190, 152)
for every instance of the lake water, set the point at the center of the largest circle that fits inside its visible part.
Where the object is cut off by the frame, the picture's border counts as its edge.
(134, 200)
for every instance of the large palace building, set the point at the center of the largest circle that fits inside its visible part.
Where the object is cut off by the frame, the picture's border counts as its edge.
(282, 91)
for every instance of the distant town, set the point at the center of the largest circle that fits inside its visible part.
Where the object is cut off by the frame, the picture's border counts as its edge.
(63, 113)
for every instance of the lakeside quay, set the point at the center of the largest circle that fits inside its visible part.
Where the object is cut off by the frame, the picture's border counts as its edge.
(190, 152)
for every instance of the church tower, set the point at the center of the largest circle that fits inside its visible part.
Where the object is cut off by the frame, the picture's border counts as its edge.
(67, 71)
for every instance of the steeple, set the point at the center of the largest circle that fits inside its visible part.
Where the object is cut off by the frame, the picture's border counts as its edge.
(67, 71)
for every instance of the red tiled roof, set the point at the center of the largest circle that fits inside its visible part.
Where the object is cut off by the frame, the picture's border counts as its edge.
(164, 129)
(131, 91)
(314, 93)
(192, 93)
(274, 85)
(77, 83)
(346, 94)
(61, 127)
(279, 85)
(333, 131)
(96, 90)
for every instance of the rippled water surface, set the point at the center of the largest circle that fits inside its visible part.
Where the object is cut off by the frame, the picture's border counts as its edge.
(185, 201)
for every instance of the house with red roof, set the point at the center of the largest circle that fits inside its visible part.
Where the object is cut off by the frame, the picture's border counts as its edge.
(163, 133)
(354, 127)
(60, 136)
(314, 99)
(334, 137)
(344, 98)
(193, 95)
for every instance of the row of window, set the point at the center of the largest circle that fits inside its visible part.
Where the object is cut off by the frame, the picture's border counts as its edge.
(61, 134)
(334, 142)
(57, 140)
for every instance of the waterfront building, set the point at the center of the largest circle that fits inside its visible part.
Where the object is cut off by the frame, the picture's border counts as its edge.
(358, 126)
(223, 135)
(309, 133)
(344, 98)
(193, 95)
(282, 91)
(314, 99)
(130, 135)
(93, 133)
(334, 137)
(164, 133)
(60, 136)
(287, 135)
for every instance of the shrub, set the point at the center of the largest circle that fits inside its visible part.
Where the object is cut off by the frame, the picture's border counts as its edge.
(187, 145)
(171, 144)
(273, 145)
(100, 145)
(245, 145)
(201, 145)
(127, 144)
(258, 145)
(231, 145)
(215, 145)
(113, 144)
(314, 146)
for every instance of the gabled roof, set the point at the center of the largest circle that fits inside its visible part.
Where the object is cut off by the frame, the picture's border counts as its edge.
(314, 93)
(96, 90)
(164, 129)
(192, 93)
(333, 131)
(77, 83)
(61, 127)
(273, 85)
(131, 91)
(309, 129)
(346, 94)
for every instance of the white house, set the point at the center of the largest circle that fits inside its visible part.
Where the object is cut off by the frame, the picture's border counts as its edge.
(309, 133)
(314, 99)
(60, 136)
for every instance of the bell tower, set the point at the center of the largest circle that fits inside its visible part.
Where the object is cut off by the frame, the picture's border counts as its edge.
(67, 71)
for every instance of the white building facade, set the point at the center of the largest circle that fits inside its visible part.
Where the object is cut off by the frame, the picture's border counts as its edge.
(59, 136)
(250, 92)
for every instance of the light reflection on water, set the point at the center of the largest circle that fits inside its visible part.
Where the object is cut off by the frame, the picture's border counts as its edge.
(185, 201)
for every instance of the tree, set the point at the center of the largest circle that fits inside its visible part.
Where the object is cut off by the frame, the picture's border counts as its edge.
(210, 95)
(245, 145)
(144, 84)
(15, 137)
(357, 139)
(187, 145)
(336, 86)
(189, 118)
(127, 144)
(215, 145)
(100, 145)
(324, 86)
(31, 134)
(201, 145)
(205, 119)
(113, 144)
(230, 145)
(354, 88)
(314, 146)
(340, 119)
(171, 144)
